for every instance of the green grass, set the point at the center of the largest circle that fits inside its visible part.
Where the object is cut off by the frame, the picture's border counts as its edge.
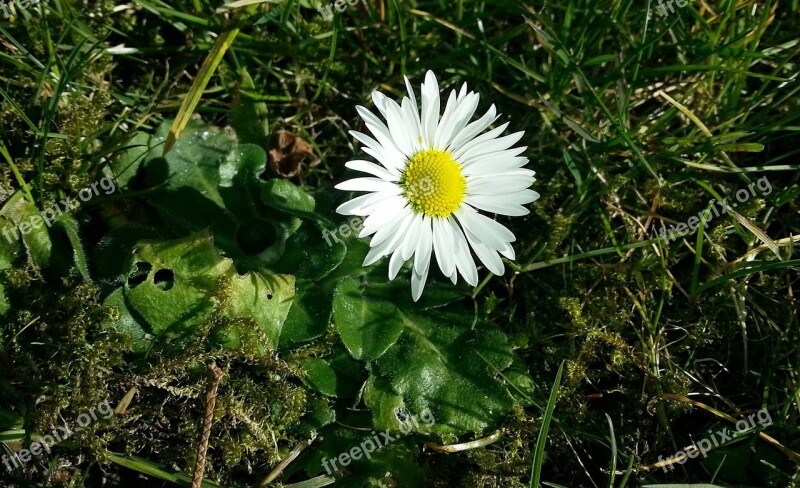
(637, 322)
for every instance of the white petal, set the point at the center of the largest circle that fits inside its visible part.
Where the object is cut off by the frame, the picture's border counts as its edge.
(422, 255)
(378, 129)
(418, 281)
(491, 233)
(357, 205)
(464, 261)
(508, 252)
(498, 185)
(380, 214)
(365, 184)
(488, 257)
(412, 237)
(443, 246)
(430, 107)
(398, 128)
(492, 146)
(411, 119)
(394, 231)
(492, 158)
(411, 94)
(473, 129)
(395, 264)
(386, 246)
(371, 168)
(443, 129)
(490, 203)
(392, 160)
(481, 139)
(494, 166)
(459, 119)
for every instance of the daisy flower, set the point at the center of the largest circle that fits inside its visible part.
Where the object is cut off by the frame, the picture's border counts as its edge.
(435, 176)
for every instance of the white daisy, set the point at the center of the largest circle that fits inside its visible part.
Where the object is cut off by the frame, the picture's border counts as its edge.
(434, 175)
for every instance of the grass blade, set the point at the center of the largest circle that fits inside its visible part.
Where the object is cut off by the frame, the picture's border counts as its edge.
(213, 59)
(538, 457)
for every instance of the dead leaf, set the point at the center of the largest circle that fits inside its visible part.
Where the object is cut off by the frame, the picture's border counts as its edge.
(288, 154)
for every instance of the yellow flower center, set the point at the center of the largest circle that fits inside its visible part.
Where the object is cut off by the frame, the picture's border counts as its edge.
(432, 182)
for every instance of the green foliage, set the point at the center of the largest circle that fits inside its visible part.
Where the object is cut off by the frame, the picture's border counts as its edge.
(206, 255)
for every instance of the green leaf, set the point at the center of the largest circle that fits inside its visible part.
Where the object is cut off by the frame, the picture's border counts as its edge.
(113, 253)
(424, 357)
(240, 182)
(127, 324)
(182, 282)
(309, 316)
(319, 375)
(249, 117)
(308, 255)
(340, 377)
(189, 196)
(36, 239)
(264, 301)
(176, 296)
(127, 163)
(437, 365)
(376, 462)
(368, 327)
(7, 251)
(352, 264)
(319, 414)
(287, 197)
(70, 226)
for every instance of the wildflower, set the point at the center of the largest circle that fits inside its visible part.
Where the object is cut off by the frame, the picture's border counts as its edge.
(435, 176)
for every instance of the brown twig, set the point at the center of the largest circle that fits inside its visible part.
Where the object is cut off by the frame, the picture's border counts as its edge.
(214, 379)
